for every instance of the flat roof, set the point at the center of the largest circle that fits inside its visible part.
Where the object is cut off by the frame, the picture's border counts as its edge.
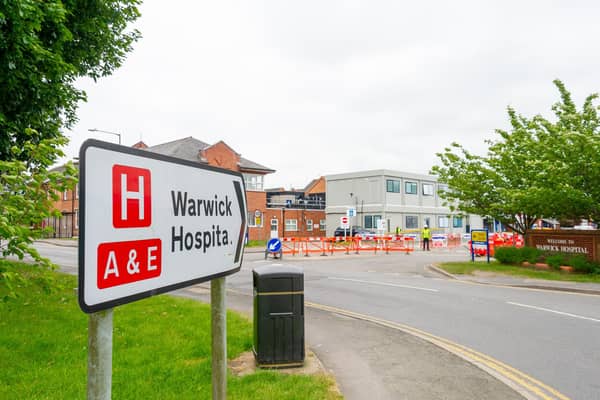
(381, 172)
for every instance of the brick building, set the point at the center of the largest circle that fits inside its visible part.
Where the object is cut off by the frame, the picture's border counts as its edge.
(301, 212)
(265, 219)
(271, 213)
(67, 224)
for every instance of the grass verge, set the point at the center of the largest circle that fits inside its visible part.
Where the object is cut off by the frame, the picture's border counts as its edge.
(256, 243)
(467, 268)
(161, 347)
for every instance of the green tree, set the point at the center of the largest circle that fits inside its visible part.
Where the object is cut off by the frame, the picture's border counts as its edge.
(44, 47)
(27, 190)
(540, 168)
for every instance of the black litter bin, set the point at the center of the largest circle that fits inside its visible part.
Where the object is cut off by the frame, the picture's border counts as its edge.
(278, 316)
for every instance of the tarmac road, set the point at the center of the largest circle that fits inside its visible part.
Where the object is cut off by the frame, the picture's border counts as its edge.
(551, 338)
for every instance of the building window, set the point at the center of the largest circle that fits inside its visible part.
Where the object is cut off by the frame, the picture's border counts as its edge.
(65, 195)
(393, 186)
(457, 222)
(427, 189)
(412, 222)
(309, 225)
(291, 225)
(371, 221)
(322, 225)
(410, 187)
(76, 219)
(253, 182)
(442, 222)
(77, 191)
(255, 219)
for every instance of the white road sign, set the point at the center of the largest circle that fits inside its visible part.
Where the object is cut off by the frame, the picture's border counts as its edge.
(152, 223)
(345, 222)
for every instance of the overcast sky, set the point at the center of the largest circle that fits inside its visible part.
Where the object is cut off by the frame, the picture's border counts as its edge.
(311, 88)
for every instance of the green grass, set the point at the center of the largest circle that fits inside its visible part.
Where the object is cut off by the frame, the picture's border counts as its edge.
(256, 243)
(467, 268)
(161, 348)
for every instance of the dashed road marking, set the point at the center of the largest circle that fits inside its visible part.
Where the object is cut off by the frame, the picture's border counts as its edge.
(383, 284)
(566, 314)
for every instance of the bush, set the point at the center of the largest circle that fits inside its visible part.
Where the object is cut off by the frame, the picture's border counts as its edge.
(555, 260)
(508, 255)
(582, 265)
(530, 254)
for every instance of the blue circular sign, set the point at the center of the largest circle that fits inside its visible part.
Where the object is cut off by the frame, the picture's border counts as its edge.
(274, 245)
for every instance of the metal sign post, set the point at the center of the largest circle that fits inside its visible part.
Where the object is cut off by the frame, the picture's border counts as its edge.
(350, 213)
(345, 223)
(218, 314)
(100, 331)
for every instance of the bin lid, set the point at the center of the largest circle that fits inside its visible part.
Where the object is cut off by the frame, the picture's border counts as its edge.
(279, 271)
(278, 279)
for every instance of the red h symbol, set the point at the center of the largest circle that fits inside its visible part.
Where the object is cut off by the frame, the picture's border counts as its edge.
(131, 197)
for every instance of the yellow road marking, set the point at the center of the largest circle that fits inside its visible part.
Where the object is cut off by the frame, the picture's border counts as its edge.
(518, 379)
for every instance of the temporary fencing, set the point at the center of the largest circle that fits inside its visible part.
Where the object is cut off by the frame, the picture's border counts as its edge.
(289, 245)
(495, 240)
(323, 246)
(305, 246)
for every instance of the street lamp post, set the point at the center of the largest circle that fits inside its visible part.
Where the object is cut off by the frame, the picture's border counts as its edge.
(109, 132)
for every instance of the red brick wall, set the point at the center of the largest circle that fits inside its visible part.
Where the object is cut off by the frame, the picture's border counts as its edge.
(264, 232)
(222, 156)
(66, 205)
(69, 209)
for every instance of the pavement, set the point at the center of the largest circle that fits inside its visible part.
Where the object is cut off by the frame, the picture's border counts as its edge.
(373, 361)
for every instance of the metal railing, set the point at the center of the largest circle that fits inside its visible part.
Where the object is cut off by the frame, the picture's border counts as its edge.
(298, 204)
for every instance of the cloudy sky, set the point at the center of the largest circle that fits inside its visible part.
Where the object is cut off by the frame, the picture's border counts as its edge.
(311, 88)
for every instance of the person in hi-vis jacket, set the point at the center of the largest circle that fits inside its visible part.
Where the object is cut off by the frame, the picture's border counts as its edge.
(426, 235)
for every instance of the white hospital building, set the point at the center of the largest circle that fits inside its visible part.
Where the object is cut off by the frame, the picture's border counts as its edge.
(404, 200)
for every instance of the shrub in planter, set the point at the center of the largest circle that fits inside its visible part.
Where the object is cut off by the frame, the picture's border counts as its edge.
(508, 255)
(555, 260)
(530, 254)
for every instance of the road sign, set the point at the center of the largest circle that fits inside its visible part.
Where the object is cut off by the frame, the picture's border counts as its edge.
(479, 236)
(152, 223)
(381, 225)
(274, 245)
(345, 222)
(351, 212)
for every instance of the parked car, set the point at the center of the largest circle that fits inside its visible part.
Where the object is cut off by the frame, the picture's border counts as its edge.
(355, 231)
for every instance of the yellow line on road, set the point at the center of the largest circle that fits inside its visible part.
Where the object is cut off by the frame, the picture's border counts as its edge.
(523, 383)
